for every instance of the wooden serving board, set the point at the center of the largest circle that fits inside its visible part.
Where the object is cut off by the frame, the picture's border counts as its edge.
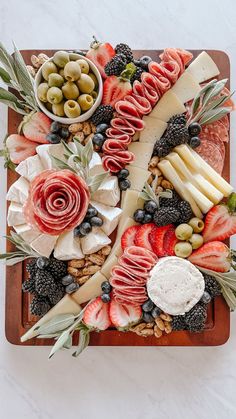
(18, 318)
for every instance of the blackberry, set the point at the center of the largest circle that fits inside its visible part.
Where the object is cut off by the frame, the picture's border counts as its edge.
(56, 293)
(103, 114)
(179, 119)
(212, 286)
(57, 268)
(195, 319)
(116, 65)
(29, 286)
(176, 135)
(170, 202)
(126, 50)
(165, 216)
(161, 148)
(31, 268)
(137, 75)
(44, 282)
(39, 306)
(178, 323)
(185, 212)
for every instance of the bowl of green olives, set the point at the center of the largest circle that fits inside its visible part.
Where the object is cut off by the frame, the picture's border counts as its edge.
(68, 87)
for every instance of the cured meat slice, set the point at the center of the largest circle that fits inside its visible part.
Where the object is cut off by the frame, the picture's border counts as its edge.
(216, 128)
(122, 125)
(150, 82)
(225, 121)
(120, 276)
(212, 154)
(123, 138)
(140, 253)
(151, 95)
(126, 298)
(126, 109)
(115, 163)
(159, 72)
(134, 268)
(213, 137)
(141, 103)
(180, 56)
(112, 146)
(118, 132)
(136, 123)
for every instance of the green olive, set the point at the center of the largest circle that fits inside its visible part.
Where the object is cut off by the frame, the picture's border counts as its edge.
(183, 249)
(61, 58)
(72, 109)
(58, 109)
(42, 92)
(197, 224)
(196, 241)
(48, 68)
(183, 232)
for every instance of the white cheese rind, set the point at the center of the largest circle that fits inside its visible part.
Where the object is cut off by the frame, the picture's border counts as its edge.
(15, 214)
(67, 247)
(153, 130)
(108, 193)
(186, 87)
(45, 151)
(27, 232)
(94, 241)
(95, 165)
(175, 285)
(203, 68)
(109, 215)
(44, 244)
(137, 177)
(30, 167)
(168, 106)
(143, 153)
(18, 191)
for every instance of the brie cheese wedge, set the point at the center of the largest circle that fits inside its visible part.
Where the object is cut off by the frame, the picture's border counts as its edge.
(15, 214)
(109, 215)
(67, 247)
(44, 244)
(18, 191)
(95, 165)
(27, 232)
(94, 241)
(46, 150)
(30, 167)
(108, 193)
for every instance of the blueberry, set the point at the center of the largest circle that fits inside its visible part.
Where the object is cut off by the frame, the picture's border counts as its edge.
(96, 221)
(147, 218)
(71, 287)
(53, 138)
(42, 262)
(206, 298)
(105, 298)
(55, 127)
(194, 142)
(147, 318)
(106, 287)
(137, 63)
(194, 129)
(85, 228)
(64, 133)
(77, 232)
(156, 312)
(124, 184)
(139, 215)
(148, 306)
(98, 139)
(150, 207)
(92, 212)
(101, 128)
(144, 61)
(67, 280)
(123, 174)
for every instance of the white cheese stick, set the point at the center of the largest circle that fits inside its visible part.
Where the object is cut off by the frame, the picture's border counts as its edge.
(170, 174)
(91, 289)
(168, 106)
(153, 130)
(203, 68)
(143, 153)
(186, 87)
(208, 189)
(202, 201)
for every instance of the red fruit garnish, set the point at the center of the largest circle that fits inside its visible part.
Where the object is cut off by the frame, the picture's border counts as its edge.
(20, 148)
(170, 241)
(100, 54)
(128, 237)
(97, 315)
(115, 89)
(142, 238)
(213, 255)
(219, 224)
(157, 239)
(124, 315)
(35, 127)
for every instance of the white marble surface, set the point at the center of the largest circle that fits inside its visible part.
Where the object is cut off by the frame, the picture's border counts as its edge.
(130, 383)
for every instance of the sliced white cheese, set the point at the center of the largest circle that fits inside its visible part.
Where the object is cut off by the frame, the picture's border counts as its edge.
(18, 191)
(67, 247)
(15, 214)
(44, 244)
(109, 215)
(130, 201)
(30, 167)
(108, 265)
(143, 153)
(203, 68)
(46, 150)
(136, 136)
(94, 241)
(95, 165)
(201, 200)
(168, 106)
(91, 289)
(153, 131)
(108, 193)
(27, 232)
(65, 306)
(186, 87)
(137, 177)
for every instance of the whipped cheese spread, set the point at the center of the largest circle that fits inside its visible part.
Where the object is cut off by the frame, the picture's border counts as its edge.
(175, 285)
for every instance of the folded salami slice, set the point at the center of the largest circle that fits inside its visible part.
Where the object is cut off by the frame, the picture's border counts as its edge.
(117, 133)
(158, 71)
(113, 145)
(136, 123)
(150, 82)
(126, 109)
(133, 268)
(122, 125)
(120, 277)
(140, 253)
(216, 128)
(151, 95)
(141, 103)
(133, 299)
(116, 162)
(180, 56)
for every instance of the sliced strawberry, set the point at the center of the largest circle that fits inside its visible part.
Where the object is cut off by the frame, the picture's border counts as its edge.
(20, 148)
(213, 255)
(124, 315)
(219, 224)
(128, 237)
(114, 89)
(170, 241)
(36, 126)
(157, 239)
(100, 54)
(96, 315)
(142, 238)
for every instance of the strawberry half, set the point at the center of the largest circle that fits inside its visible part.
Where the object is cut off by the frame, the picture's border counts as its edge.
(100, 54)
(142, 238)
(128, 237)
(20, 148)
(220, 224)
(116, 88)
(157, 239)
(170, 241)
(213, 255)
(124, 315)
(35, 127)
(96, 315)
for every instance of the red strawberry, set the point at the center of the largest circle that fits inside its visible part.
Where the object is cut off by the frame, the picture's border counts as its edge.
(100, 54)
(157, 239)
(219, 224)
(35, 127)
(115, 89)
(213, 255)
(128, 237)
(142, 236)
(170, 241)
(96, 315)
(20, 148)
(124, 315)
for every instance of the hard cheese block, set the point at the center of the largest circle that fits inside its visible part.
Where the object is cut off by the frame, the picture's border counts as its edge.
(203, 68)
(186, 87)
(168, 106)
(137, 177)
(108, 193)
(15, 214)
(109, 215)
(153, 130)
(67, 247)
(30, 167)
(44, 244)
(142, 152)
(18, 192)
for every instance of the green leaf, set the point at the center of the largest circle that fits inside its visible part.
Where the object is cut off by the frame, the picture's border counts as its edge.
(219, 86)
(94, 182)
(68, 343)
(63, 338)
(67, 148)
(12, 101)
(84, 338)
(60, 164)
(6, 78)
(87, 153)
(7, 60)
(229, 297)
(204, 90)
(214, 115)
(23, 76)
(56, 324)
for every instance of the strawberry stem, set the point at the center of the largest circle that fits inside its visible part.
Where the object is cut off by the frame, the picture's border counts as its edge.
(95, 43)
(128, 72)
(231, 203)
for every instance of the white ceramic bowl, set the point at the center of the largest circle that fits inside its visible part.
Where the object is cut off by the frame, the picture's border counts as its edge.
(84, 116)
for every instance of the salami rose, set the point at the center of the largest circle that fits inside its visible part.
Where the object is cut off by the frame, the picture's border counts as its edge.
(57, 201)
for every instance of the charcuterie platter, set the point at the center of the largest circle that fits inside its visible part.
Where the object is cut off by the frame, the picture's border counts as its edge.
(119, 203)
